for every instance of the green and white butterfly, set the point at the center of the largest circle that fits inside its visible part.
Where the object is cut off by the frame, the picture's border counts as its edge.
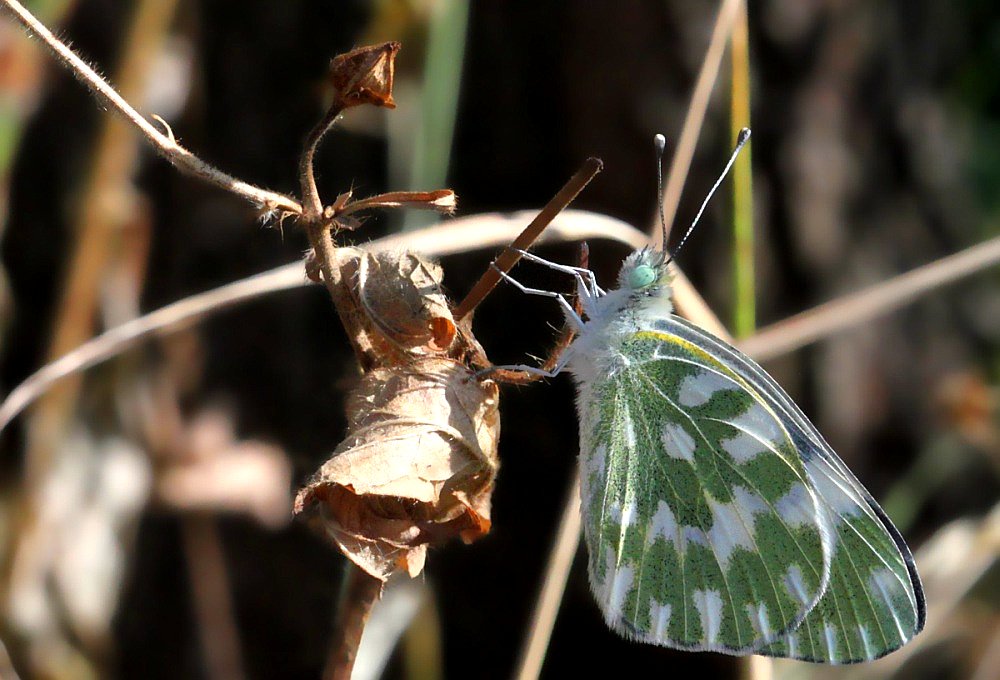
(716, 516)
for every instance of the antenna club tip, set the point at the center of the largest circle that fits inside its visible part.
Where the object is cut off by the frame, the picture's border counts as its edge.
(743, 136)
(660, 142)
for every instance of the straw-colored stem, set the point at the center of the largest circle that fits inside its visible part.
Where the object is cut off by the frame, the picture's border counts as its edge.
(744, 317)
(94, 233)
(547, 606)
(442, 81)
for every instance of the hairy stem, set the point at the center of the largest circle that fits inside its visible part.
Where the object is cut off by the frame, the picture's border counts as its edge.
(163, 142)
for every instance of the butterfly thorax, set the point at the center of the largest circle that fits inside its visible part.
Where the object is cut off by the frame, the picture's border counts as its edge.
(643, 295)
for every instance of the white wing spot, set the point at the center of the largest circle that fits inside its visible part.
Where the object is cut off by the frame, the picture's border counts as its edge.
(761, 423)
(664, 524)
(883, 582)
(830, 634)
(677, 442)
(795, 585)
(792, 641)
(617, 584)
(835, 493)
(867, 642)
(759, 620)
(742, 447)
(629, 428)
(709, 606)
(729, 529)
(629, 513)
(697, 389)
(615, 512)
(659, 618)
(692, 535)
(796, 508)
(596, 461)
(591, 466)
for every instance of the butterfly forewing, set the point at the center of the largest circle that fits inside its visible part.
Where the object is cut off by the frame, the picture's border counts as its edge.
(873, 603)
(702, 524)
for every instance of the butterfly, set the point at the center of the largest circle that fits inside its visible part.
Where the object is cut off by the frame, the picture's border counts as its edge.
(716, 516)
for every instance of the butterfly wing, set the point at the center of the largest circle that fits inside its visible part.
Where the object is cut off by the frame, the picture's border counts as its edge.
(703, 528)
(873, 603)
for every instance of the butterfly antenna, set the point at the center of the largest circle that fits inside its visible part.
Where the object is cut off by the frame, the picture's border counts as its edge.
(741, 141)
(660, 143)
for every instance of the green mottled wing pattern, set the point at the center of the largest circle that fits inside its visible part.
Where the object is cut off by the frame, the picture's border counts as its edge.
(703, 530)
(718, 518)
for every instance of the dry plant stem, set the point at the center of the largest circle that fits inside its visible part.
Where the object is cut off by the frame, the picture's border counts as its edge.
(509, 257)
(359, 594)
(680, 163)
(881, 298)
(213, 605)
(568, 536)
(460, 235)
(565, 339)
(95, 235)
(95, 231)
(547, 607)
(802, 329)
(312, 206)
(164, 143)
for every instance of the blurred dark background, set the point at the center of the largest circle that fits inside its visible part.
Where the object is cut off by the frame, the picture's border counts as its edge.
(875, 149)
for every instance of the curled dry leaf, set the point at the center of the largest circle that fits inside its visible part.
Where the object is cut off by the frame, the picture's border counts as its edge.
(401, 295)
(416, 468)
(397, 309)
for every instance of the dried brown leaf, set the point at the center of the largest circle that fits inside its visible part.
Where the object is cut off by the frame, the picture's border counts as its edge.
(416, 468)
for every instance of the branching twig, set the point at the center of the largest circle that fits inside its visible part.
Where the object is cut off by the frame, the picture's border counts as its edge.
(163, 142)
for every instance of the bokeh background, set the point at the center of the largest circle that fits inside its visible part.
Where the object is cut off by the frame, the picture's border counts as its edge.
(145, 516)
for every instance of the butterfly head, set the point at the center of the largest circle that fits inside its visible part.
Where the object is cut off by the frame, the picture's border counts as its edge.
(645, 273)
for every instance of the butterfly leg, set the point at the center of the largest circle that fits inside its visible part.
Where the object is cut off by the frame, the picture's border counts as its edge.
(584, 276)
(571, 316)
(522, 374)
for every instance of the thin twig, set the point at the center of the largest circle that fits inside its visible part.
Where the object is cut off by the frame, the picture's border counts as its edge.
(509, 257)
(359, 594)
(695, 116)
(164, 143)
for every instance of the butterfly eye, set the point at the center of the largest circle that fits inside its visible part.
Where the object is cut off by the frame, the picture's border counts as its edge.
(641, 276)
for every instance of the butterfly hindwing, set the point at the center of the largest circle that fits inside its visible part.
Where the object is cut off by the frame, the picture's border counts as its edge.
(873, 603)
(703, 529)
